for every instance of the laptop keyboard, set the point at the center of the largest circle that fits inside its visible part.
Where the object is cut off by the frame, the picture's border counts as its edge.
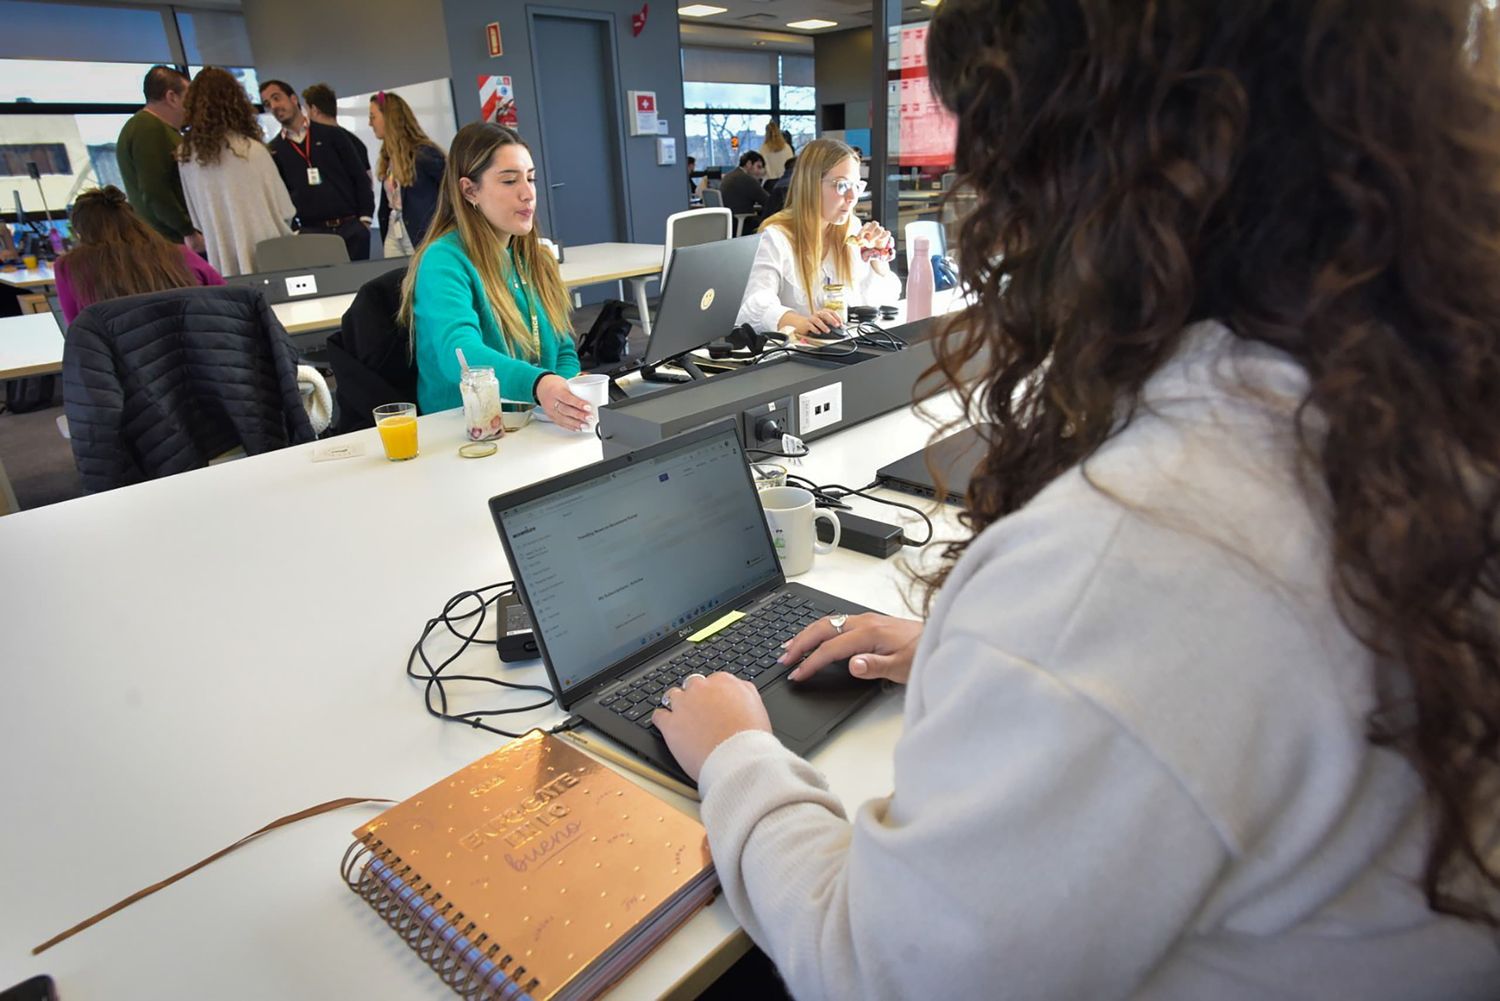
(747, 648)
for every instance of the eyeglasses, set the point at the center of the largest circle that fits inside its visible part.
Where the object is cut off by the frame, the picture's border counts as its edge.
(843, 186)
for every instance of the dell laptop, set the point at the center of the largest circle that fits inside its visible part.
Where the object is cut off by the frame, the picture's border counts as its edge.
(955, 457)
(657, 564)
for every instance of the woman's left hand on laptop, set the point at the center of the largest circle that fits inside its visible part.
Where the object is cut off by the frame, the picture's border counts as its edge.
(704, 713)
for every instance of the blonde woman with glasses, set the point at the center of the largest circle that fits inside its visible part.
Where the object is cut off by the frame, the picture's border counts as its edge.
(482, 282)
(815, 241)
(410, 171)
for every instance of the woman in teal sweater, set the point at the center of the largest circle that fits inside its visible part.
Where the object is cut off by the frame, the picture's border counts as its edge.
(482, 282)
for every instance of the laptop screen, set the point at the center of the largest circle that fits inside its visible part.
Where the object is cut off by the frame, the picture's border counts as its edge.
(621, 560)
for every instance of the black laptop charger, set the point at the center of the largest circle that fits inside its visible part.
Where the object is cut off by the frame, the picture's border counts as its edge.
(864, 535)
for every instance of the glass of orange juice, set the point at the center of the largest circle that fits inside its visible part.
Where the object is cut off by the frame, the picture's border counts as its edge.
(397, 424)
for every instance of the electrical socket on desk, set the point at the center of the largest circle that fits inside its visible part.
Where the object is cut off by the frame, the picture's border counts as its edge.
(302, 285)
(820, 408)
(765, 424)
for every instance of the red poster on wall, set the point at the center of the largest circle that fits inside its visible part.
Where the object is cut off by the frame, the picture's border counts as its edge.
(926, 133)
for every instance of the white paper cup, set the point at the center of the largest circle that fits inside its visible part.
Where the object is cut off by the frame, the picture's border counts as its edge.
(593, 389)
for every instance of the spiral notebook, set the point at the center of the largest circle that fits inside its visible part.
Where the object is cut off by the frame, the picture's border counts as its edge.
(534, 873)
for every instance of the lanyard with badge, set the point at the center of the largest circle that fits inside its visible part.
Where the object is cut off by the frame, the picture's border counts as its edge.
(314, 177)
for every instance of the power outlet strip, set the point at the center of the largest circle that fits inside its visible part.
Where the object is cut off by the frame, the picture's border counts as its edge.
(302, 285)
(820, 408)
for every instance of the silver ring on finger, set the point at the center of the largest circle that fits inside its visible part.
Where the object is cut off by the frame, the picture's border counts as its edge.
(666, 701)
(837, 622)
(690, 677)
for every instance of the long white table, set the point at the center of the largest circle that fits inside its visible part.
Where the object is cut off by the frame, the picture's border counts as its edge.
(39, 277)
(190, 658)
(589, 264)
(30, 344)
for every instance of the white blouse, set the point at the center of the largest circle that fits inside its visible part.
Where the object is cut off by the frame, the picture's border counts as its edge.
(775, 286)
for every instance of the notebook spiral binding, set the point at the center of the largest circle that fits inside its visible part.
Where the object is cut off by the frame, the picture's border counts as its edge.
(442, 937)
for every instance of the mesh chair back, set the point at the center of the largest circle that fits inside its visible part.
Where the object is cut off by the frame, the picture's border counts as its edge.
(713, 198)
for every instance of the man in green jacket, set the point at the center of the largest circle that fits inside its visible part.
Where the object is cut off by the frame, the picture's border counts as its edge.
(146, 151)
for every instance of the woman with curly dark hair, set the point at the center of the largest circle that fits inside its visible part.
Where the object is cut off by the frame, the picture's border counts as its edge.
(1208, 703)
(234, 194)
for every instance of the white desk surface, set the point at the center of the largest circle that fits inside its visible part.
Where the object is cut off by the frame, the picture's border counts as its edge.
(30, 344)
(190, 658)
(588, 264)
(37, 277)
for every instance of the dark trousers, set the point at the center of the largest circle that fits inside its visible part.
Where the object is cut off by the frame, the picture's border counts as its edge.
(356, 236)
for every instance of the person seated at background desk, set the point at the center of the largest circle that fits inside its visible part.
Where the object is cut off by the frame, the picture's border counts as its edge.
(1208, 706)
(743, 192)
(805, 246)
(116, 254)
(482, 282)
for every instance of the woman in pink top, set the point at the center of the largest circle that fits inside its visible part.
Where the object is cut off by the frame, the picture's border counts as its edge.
(117, 254)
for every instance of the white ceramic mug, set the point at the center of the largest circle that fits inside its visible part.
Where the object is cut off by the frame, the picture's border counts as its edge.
(792, 515)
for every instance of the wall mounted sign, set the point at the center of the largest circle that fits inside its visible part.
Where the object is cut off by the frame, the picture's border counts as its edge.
(497, 100)
(492, 37)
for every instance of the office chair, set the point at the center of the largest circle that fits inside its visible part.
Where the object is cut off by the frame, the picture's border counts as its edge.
(713, 198)
(687, 229)
(313, 250)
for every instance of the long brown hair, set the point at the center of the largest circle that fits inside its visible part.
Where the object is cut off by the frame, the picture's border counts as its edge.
(117, 254)
(217, 108)
(802, 219)
(470, 155)
(403, 137)
(1318, 175)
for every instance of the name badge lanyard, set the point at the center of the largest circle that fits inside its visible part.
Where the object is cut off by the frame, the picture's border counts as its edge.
(313, 176)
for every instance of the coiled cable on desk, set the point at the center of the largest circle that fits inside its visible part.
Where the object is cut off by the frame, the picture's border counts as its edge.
(435, 695)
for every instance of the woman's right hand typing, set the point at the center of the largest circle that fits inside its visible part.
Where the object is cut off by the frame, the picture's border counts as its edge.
(877, 646)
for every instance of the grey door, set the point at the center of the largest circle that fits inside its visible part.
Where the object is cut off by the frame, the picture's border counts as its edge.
(583, 183)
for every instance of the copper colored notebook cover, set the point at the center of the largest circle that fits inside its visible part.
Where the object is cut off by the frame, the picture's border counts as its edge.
(535, 871)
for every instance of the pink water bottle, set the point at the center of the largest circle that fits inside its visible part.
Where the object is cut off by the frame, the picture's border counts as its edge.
(919, 280)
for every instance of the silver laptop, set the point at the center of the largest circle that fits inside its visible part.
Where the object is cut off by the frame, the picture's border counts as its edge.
(645, 568)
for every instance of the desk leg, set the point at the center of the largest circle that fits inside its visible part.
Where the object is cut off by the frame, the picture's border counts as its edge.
(639, 284)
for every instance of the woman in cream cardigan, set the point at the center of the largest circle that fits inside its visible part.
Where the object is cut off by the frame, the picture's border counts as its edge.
(234, 194)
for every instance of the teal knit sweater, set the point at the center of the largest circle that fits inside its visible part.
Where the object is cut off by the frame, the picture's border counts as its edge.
(450, 311)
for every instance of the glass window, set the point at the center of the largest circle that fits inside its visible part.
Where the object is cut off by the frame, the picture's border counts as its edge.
(88, 144)
(799, 98)
(40, 81)
(800, 129)
(726, 95)
(244, 74)
(83, 32)
(711, 137)
(214, 37)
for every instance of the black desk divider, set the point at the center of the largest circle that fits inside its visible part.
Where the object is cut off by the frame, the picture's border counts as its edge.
(329, 280)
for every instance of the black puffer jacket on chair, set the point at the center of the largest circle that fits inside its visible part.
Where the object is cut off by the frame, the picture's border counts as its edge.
(161, 383)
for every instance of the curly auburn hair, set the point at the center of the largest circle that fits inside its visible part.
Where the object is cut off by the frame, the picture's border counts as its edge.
(1318, 175)
(217, 108)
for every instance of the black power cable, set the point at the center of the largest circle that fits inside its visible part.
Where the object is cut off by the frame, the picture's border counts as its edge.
(435, 694)
(833, 494)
